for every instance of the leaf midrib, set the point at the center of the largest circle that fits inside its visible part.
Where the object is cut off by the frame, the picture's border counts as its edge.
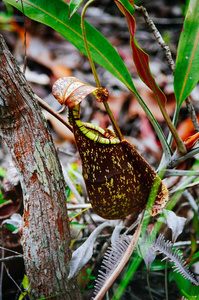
(189, 67)
(65, 25)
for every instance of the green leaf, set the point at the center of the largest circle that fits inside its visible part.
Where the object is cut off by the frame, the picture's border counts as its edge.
(25, 282)
(53, 296)
(128, 5)
(194, 245)
(22, 296)
(55, 13)
(77, 225)
(194, 294)
(158, 265)
(194, 291)
(194, 259)
(10, 227)
(2, 172)
(182, 283)
(186, 72)
(195, 256)
(141, 61)
(74, 6)
(195, 223)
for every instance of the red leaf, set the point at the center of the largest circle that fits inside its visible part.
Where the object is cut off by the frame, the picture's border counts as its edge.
(191, 141)
(141, 59)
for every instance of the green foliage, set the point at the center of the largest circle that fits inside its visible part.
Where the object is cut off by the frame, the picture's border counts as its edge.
(1, 197)
(194, 259)
(10, 227)
(55, 13)
(2, 174)
(64, 19)
(196, 223)
(185, 287)
(141, 58)
(158, 265)
(77, 225)
(74, 5)
(166, 36)
(88, 278)
(6, 17)
(25, 285)
(186, 72)
(132, 267)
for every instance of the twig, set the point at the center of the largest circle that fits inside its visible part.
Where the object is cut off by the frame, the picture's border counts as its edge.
(157, 36)
(148, 284)
(11, 257)
(13, 280)
(192, 114)
(166, 280)
(15, 252)
(174, 172)
(77, 206)
(108, 110)
(183, 243)
(47, 107)
(178, 160)
(2, 264)
(25, 40)
(169, 58)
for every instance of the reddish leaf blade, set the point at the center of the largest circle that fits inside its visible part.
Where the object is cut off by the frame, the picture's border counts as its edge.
(141, 59)
(191, 141)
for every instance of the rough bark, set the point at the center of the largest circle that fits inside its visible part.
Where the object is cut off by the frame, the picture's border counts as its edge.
(45, 231)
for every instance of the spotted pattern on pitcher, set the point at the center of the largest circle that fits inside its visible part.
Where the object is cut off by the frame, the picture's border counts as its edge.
(118, 179)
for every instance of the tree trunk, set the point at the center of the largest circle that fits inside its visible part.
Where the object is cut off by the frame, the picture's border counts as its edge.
(45, 230)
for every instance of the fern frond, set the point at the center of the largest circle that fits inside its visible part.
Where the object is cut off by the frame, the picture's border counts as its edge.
(116, 257)
(119, 253)
(174, 255)
(111, 260)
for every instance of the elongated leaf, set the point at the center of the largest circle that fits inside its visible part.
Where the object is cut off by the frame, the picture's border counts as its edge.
(128, 5)
(55, 13)
(187, 63)
(141, 59)
(74, 6)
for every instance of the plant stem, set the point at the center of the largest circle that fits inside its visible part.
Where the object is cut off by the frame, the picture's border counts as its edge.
(157, 36)
(47, 107)
(166, 281)
(86, 44)
(148, 284)
(179, 143)
(166, 147)
(192, 114)
(113, 121)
